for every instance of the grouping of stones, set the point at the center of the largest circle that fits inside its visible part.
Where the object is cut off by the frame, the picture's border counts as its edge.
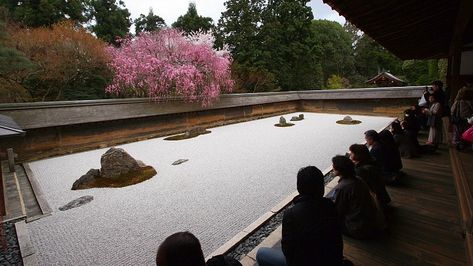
(118, 169)
(298, 118)
(191, 133)
(9, 248)
(283, 122)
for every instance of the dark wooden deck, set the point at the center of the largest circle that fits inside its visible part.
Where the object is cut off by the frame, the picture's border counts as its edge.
(425, 224)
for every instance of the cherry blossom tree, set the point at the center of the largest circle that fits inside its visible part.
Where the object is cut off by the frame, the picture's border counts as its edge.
(167, 64)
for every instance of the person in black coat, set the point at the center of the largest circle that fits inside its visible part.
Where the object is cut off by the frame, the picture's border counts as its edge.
(311, 233)
(375, 147)
(367, 171)
(360, 213)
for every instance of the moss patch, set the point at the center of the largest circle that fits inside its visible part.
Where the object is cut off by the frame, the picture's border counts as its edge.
(125, 180)
(348, 122)
(187, 136)
(284, 125)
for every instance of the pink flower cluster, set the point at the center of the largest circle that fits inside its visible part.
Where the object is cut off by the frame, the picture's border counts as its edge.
(166, 64)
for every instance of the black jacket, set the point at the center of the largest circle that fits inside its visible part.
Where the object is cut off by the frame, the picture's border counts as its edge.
(356, 207)
(369, 173)
(311, 233)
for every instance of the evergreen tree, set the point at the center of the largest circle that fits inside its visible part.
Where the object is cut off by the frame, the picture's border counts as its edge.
(36, 13)
(112, 19)
(333, 47)
(193, 22)
(149, 23)
(286, 40)
(14, 67)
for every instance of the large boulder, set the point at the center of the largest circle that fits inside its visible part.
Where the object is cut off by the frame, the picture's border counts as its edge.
(116, 162)
(118, 169)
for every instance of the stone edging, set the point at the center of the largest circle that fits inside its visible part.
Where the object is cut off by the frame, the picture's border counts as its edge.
(40, 198)
(28, 253)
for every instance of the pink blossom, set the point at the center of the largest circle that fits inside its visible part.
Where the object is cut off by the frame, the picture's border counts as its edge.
(166, 64)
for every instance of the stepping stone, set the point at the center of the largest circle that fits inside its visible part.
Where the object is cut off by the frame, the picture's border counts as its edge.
(180, 161)
(77, 203)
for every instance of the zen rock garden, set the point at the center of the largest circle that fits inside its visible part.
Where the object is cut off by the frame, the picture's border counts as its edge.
(118, 169)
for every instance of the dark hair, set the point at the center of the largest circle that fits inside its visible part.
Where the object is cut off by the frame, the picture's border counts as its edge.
(387, 138)
(372, 134)
(396, 126)
(438, 83)
(360, 153)
(344, 166)
(310, 181)
(180, 249)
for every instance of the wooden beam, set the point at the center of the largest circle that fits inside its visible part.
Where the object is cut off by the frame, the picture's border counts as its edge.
(465, 12)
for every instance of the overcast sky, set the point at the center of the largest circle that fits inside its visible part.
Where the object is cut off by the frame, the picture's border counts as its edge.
(170, 10)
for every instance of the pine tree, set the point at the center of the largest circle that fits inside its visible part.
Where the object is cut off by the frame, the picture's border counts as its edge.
(192, 21)
(286, 39)
(112, 19)
(148, 23)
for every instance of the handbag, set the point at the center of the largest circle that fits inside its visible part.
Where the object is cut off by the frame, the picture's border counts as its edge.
(468, 135)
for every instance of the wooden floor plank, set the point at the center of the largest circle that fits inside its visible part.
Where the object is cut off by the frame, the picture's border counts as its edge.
(425, 225)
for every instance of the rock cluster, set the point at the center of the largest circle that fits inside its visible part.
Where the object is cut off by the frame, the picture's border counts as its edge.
(117, 169)
(298, 118)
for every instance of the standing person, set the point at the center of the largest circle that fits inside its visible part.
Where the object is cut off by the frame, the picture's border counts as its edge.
(311, 233)
(461, 110)
(358, 209)
(180, 249)
(367, 171)
(434, 121)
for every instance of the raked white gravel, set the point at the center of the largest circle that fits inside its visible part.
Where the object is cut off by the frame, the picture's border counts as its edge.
(233, 176)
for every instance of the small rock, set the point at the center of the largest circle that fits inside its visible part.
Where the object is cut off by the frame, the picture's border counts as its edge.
(347, 118)
(77, 203)
(180, 161)
(301, 116)
(282, 120)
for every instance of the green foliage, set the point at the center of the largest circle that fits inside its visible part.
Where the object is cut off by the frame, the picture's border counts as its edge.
(193, 22)
(421, 72)
(286, 42)
(148, 23)
(371, 58)
(14, 67)
(36, 13)
(112, 19)
(333, 47)
(336, 82)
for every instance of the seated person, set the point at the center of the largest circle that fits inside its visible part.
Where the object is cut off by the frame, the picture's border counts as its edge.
(361, 217)
(405, 144)
(375, 147)
(311, 232)
(180, 249)
(367, 171)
